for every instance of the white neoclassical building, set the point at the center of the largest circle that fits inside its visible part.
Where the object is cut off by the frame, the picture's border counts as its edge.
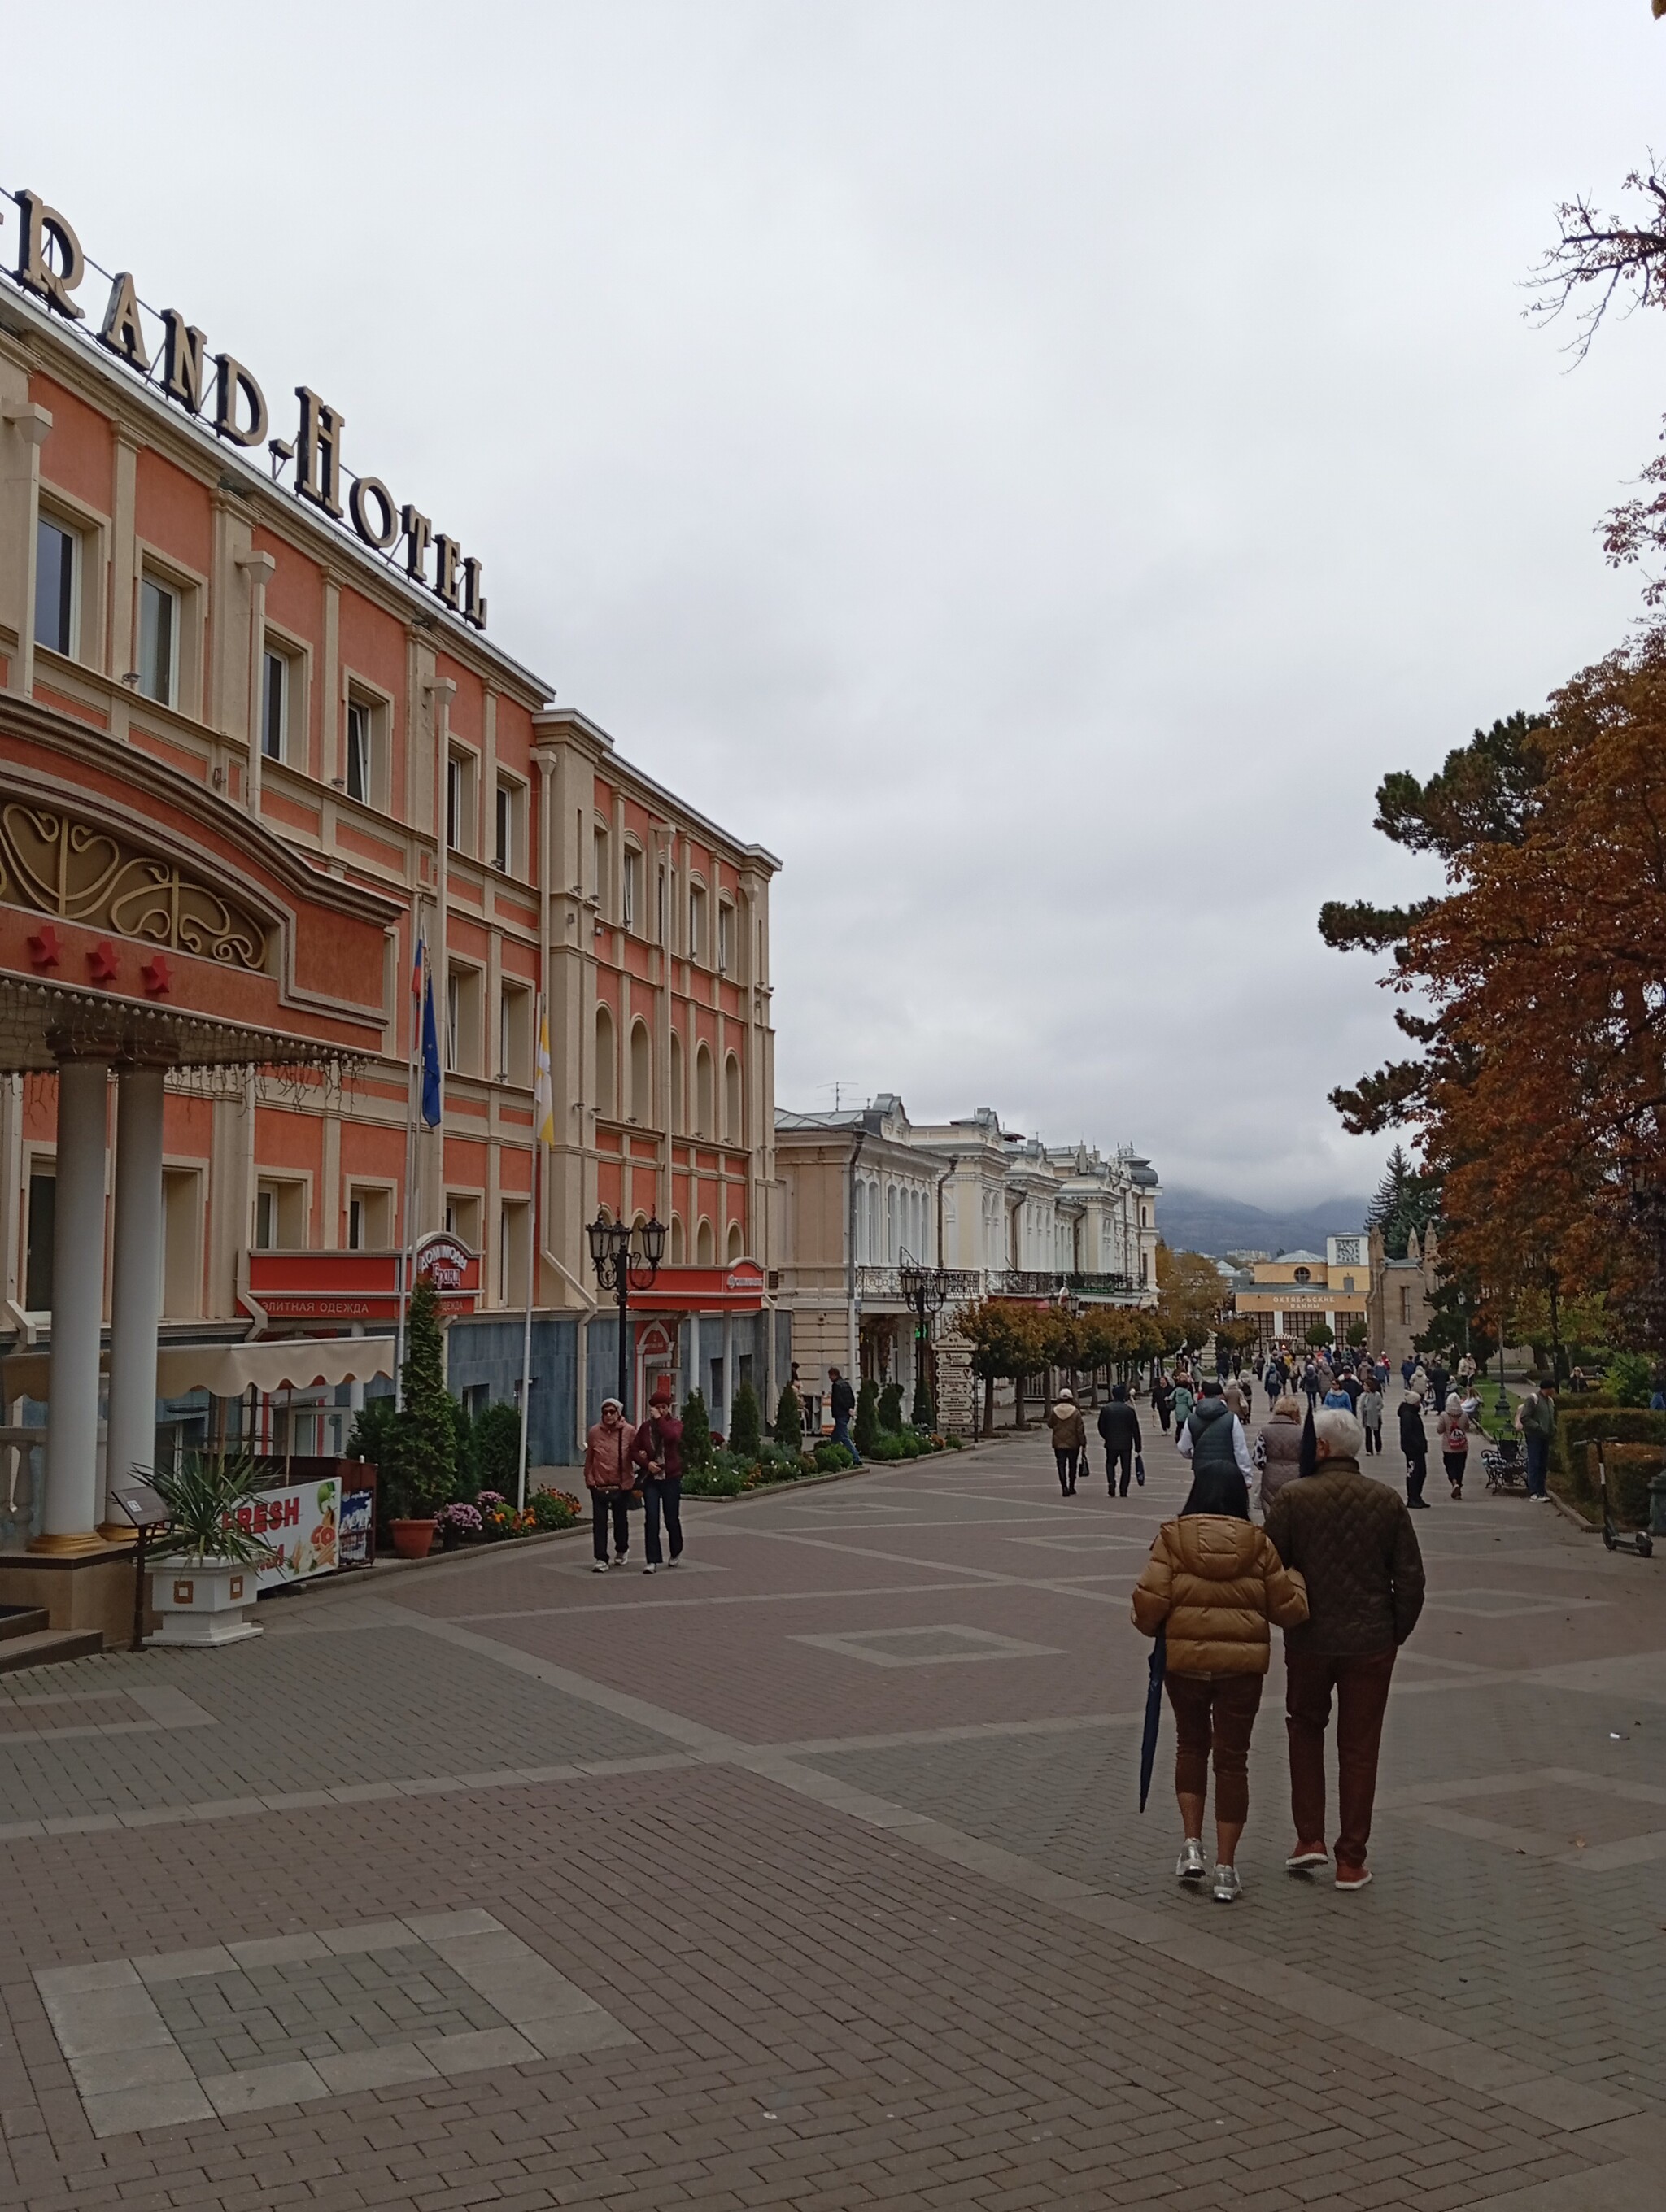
(982, 1210)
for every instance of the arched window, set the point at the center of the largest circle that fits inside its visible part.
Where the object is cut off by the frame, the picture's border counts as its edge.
(678, 1122)
(705, 1254)
(704, 1108)
(737, 1242)
(641, 1074)
(607, 1073)
(679, 1249)
(732, 1115)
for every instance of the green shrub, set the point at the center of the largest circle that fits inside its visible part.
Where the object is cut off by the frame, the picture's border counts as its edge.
(553, 1509)
(494, 1447)
(890, 1408)
(774, 1462)
(829, 1458)
(746, 1423)
(714, 1482)
(1630, 1378)
(1632, 1468)
(953, 1443)
(789, 1420)
(372, 1424)
(1626, 1425)
(697, 1436)
(866, 1430)
(886, 1446)
(912, 1447)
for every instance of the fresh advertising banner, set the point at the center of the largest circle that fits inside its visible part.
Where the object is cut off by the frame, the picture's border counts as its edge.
(302, 1528)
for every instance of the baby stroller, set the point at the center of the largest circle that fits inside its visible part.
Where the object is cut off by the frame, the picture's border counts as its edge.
(1506, 1466)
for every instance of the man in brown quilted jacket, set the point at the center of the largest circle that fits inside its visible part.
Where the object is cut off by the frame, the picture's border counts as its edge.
(1352, 1541)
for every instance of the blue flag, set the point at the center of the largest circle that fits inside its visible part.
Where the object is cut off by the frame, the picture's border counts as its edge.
(431, 1058)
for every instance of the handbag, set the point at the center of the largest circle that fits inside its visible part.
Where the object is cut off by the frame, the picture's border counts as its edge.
(1140, 1468)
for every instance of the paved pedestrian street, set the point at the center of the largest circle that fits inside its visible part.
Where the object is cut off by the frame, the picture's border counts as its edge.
(811, 1876)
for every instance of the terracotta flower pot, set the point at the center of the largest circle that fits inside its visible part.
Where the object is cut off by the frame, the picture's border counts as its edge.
(412, 1538)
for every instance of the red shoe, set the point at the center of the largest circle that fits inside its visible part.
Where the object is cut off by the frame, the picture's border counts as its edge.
(1305, 1855)
(1351, 1877)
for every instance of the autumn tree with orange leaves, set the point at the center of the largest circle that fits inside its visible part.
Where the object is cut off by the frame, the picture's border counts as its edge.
(1536, 991)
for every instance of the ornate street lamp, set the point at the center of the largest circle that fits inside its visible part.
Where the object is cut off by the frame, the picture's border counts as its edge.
(922, 1289)
(625, 1260)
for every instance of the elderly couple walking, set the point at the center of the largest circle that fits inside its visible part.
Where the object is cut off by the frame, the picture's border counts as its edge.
(644, 1464)
(1337, 1567)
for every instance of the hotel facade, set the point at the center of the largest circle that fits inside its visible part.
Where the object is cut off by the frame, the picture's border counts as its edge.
(256, 740)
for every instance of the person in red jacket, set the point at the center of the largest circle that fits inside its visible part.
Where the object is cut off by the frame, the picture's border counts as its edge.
(657, 1454)
(609, 1478)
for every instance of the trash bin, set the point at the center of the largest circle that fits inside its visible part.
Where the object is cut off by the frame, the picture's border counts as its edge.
(1657, 1505)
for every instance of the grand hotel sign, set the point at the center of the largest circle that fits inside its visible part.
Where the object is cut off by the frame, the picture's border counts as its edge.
(52, 266)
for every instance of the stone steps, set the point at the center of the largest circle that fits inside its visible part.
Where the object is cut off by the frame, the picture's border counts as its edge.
(26, 1639)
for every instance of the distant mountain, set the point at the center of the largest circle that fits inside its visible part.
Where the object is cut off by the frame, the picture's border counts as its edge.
(1197, 1221)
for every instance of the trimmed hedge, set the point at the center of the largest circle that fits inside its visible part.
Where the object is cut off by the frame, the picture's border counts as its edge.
(1634, 1457)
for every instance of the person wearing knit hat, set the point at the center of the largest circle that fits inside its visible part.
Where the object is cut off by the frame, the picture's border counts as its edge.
(657, 1454)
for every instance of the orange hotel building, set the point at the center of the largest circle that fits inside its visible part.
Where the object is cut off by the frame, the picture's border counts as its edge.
(255, 736)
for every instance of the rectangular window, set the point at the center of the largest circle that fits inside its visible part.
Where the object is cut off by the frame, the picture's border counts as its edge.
(265, 1221)
(158, 641)
(358, 750)
(182, 1242)
(515, 1222)
(275, 705)
(54, 587)
(514, 1035)
(454, 1020)
(369, 1220)
(453, 802)
(598, 866)
(633, 870)
(280, 1217)
(660, 913)
(43, 1215)
(503, 830)
(1405, 1305)
(696, 923)
(725, 928)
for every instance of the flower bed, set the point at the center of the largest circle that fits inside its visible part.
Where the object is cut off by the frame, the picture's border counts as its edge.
(729, 1476)
(493, 1520)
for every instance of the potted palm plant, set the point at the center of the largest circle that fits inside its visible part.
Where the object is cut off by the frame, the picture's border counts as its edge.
(205, 1583)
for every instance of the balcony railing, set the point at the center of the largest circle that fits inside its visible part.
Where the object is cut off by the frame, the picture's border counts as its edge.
(956, 1284)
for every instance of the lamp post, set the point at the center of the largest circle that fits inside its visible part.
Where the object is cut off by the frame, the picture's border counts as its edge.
(923, 1290)
(625, 1260)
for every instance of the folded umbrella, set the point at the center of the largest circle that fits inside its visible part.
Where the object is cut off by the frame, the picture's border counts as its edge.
(1153, 1715)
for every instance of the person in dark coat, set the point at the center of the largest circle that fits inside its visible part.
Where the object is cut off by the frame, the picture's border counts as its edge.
(1415, 1444)
(842, 1403)
(1352, 1541)
(1162, 1400)
(1119, 1430)
(657, 1454)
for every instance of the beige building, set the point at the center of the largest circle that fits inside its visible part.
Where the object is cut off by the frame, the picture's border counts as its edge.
(974, 1210)
(1286, 1296)
(1397, 1308)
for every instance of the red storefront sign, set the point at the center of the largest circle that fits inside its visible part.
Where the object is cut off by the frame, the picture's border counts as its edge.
(347, 1287)
(738, 1288)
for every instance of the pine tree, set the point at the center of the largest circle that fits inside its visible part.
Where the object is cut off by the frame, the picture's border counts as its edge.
(891, 1408)
(423, 1439)
(697, 1433)
(789, 1420)
(744, 1423)
(1406, 1200)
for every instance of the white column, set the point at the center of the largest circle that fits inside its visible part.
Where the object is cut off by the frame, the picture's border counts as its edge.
(72, 1436)
(136, 1290)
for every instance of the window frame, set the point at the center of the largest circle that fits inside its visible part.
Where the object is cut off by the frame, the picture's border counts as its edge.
(376, 707)
(724, 947)
(631, 876)
(47, 517)
(164, 588)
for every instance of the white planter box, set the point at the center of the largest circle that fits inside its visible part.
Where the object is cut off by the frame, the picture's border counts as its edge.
(202, 1602)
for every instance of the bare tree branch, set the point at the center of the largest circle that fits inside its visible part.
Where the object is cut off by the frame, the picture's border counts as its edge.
(1600, 258)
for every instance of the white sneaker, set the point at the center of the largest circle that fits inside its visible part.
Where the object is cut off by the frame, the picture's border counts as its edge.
(673, 1563)
(651, 1568)
(1228, 1886)
(1191, 1865)
(600, 1567)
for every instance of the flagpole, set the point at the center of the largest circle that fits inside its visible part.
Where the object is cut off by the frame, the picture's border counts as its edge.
(419, 963)
(542, 1109)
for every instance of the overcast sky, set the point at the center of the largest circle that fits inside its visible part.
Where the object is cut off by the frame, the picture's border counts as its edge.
(1033, 466)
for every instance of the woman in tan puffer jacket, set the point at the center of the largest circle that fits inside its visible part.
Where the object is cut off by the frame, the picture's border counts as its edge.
(1213, 1585)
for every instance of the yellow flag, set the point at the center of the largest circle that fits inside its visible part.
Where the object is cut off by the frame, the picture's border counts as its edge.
(544, 1089)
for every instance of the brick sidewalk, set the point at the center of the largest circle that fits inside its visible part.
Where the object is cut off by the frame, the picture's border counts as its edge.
(824, 1851)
